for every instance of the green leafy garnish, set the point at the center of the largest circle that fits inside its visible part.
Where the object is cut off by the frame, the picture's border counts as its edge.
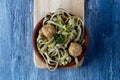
(59, 38)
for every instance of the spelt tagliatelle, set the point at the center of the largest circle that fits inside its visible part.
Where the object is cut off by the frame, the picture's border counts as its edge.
(69, 28)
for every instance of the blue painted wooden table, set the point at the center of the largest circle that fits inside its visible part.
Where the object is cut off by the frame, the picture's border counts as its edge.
(102, 61)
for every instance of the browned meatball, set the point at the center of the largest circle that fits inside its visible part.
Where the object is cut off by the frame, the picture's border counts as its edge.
(48, 30)
(75, 49)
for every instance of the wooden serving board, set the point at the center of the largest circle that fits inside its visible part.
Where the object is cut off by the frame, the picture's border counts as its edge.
(41, 7)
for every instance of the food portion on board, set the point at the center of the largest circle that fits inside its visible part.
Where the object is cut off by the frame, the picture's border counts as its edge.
(61, 38)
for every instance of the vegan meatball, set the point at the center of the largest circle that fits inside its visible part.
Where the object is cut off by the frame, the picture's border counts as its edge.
(75, 49)
(48, 30)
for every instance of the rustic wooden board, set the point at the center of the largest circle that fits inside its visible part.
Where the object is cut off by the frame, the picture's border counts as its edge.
(102, 61)
(42, 7)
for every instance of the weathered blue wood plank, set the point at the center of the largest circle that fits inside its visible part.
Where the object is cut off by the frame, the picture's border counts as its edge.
(102, 61)
(16, 18)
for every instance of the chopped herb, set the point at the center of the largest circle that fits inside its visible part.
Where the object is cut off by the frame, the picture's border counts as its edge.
(59, 38)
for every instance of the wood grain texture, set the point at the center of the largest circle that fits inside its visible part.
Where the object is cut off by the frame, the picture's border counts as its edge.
(102, 62)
